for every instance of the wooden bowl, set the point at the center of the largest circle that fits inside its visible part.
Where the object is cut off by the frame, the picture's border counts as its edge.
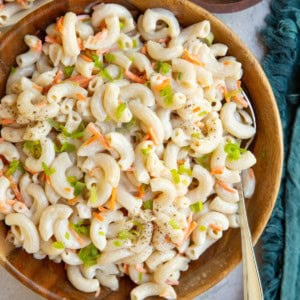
(48, 278)
(225, 6)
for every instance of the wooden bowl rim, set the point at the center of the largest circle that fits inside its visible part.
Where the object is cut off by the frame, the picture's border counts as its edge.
(229, 7)
(277, 179)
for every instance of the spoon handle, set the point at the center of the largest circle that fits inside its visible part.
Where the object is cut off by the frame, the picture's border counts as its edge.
(252, 284)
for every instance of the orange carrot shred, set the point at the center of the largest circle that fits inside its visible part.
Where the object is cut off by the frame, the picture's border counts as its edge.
(76, 235)
(80, 97)
(15, 189)
(152, 136)
(217, 171)
(81, 80)
(140, 191)
(190, 58)
(140, 268)
(215, 227)
(102, 209)
(60, 24)
(67, 189)
(72, 201)
(225, 186)
(7, 121)
(112, 201)
(164, 84)
(196, 109)
(93, 129)
(86, 58)
(53, 39)
(98, 216)
(126, 269)
(135, 78)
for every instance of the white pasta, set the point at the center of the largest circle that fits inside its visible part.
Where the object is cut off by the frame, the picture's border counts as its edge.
(122, 143)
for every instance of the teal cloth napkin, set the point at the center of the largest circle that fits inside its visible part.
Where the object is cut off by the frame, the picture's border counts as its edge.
(280, 269)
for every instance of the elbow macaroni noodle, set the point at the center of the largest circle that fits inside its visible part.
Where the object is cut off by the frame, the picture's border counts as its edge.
(121, 145)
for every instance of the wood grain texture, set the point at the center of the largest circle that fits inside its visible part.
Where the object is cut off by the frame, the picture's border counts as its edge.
(49, 279)
(225, 6)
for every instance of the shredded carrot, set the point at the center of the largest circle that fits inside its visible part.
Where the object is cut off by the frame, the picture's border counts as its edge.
(48, 179)
(58, 77)
(38, 47)
(141, 191)
(168, 239)
(191, 227)
(164, 40)
(144, 50)
(86, 58)
(102, 209)
(140, 268)
(112, 201)
(164, 84)
(126, 269)
(191, 58)
(81, 80)
(152, 136)
(37, 87)
(53, 39)
(102, 25)
(80, 43)
(251, 173)
(15, 189)
(100, 36)
(217, 171)
(172, 282)
(22, 3)
(72, 201)
(98, 216)
(67, 189)
(2, 6)
(135, 78)
(227, 62)
(1, 139)
(215, 227)
(238, 83)
(60, 24)
(10, 201)
(240, 100)
(30, 171)
(97, 292)
(196, 109)
(225, 186)
(90, 141)
(94, 130)
(80, 97)
(223, 88)
(7, 121)
(76, 235)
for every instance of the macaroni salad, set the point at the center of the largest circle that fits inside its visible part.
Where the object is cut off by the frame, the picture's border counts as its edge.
(120, 147)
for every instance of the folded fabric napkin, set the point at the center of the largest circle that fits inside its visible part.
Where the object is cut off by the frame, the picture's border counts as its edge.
(281, 240)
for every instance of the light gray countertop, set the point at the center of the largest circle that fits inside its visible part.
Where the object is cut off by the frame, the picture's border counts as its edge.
(247, 25)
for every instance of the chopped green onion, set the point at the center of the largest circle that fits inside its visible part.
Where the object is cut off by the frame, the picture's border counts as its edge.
(202, 113)
(120, 110)
(65, 147)
(140, 277)
(175, 176)
(128, 126)
(13, 167)
(48, 171)
(203, 161)
(58, 245)
(57, 126)
(197, 206)
(209, 39)
(234, 151)
(68, 71)
(80, 228)
(78, 186)
(89, 255)
(121, 44)
(134, 43)
(13, 70)
(78, 133)
(202, 228)
(97, 61)
(179, 75)
(110, 58)
(228, 95)
(148, 204)
(162, 67)
(34, 148)
(126, 235)
(67, 235)
(183, 170)
(185, 182)
(121, 25)
(196, 135)
(167, 94)
(105, 74)
(174, 224)
(117, 243)
(101, 233)
(93, 194)
(146, 151)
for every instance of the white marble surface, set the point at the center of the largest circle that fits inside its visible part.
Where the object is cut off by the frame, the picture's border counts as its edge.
(247, 25)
